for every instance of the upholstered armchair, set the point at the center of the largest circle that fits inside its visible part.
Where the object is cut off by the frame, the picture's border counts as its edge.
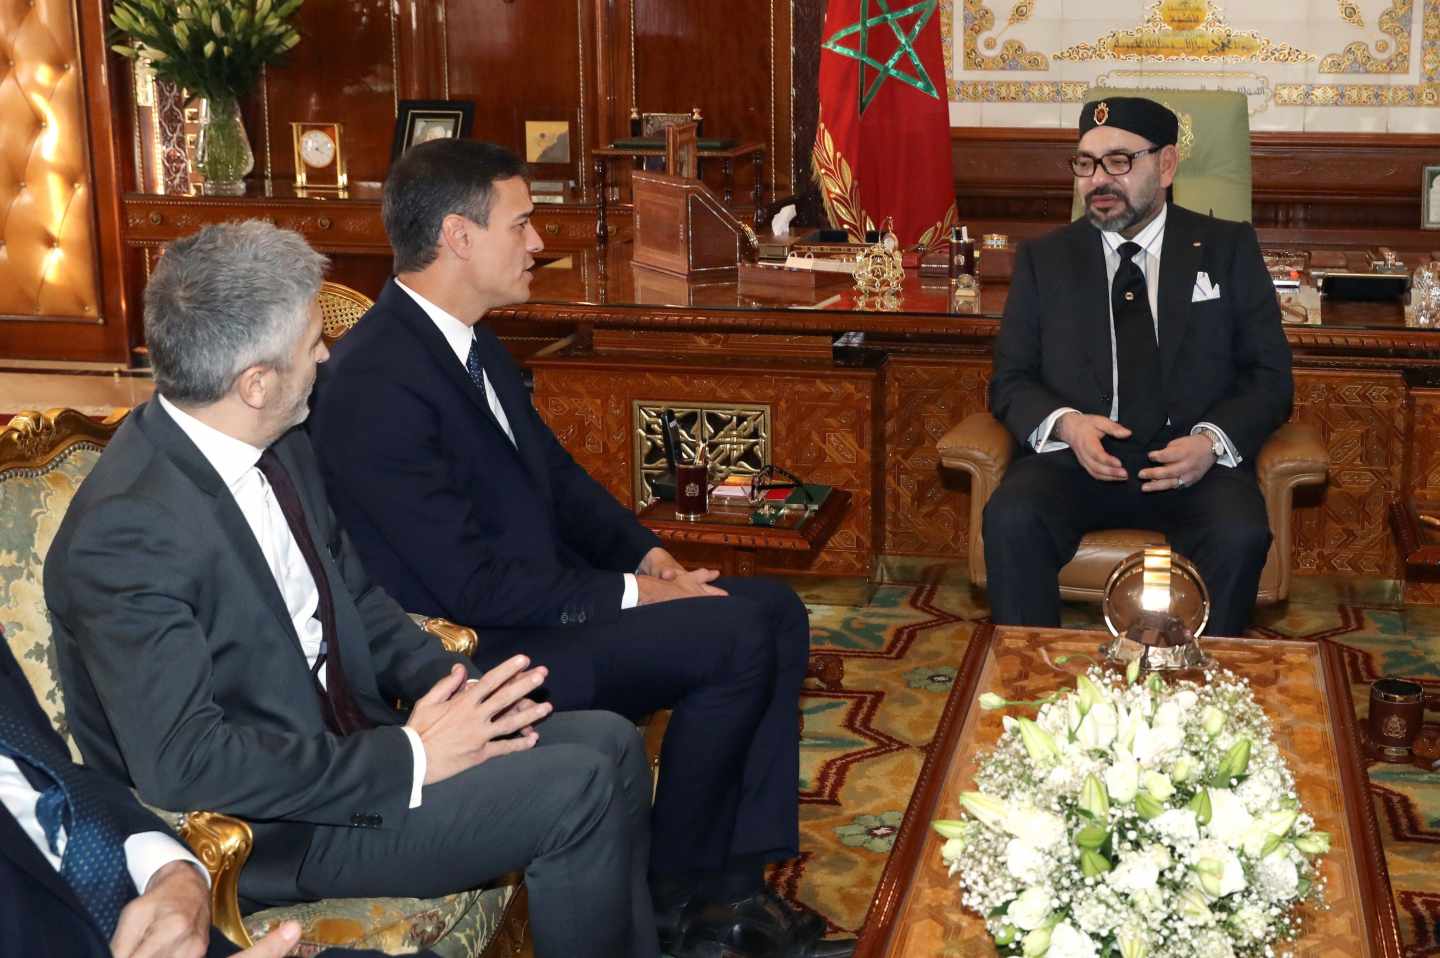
(1215, 174)
(1294, 456)
(43, 460)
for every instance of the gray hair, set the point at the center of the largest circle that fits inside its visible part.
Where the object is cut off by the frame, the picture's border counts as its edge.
(231, 296)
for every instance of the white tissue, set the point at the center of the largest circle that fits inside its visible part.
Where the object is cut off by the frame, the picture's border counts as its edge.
(780, 222)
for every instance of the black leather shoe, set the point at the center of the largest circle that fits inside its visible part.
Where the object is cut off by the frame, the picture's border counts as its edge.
(761, 926)
(670, 925)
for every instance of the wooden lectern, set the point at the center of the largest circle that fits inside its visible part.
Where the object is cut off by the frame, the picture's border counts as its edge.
(683, 228)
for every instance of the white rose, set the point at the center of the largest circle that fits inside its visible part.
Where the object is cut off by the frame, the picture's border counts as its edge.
(1229, 821)
(1043, 830)
(1026, 863)
(1156, 743)
(1139, 871)
(1185, 699)
(1276, 878)
(1177, 826)
(1167, 714)
(1030, 910)
(1224, 872)
(1067, 941)
(1097, 729)
(1122, 779)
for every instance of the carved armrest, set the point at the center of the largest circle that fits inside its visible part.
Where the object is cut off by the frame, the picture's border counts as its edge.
(980, 446)
(1294, 455)
(455, 638)
(223, 845)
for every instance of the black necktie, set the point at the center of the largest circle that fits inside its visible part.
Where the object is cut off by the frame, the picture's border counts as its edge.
(94, 860)
(342, 716)
(1142, 403)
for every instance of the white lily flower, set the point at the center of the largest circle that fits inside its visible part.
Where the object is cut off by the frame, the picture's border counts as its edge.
(1044, 830)
(987, 809)
(1158, 785)
(1194, 908)
(1219, 869)
(1229, 820)
(1122, 779)
(1031, 909)
(1067, 941)
(1133, 944)
(1212, 720)
(1155, 743)
(990, 701)
(1183, 768)
(1097, 729)
(1036, 943)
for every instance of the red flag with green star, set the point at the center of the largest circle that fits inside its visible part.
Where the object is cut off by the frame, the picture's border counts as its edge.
(882, 148)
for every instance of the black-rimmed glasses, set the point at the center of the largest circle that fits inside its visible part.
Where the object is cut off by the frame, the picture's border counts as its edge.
(1116, 164)
(774, 477)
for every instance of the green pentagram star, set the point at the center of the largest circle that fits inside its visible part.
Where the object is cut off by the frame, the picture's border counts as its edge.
(920, 80)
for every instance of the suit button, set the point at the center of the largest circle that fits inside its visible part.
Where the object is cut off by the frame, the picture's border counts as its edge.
(1104, 397)
(580, 618)
(376, 820)
(564, 618)
(357, 820)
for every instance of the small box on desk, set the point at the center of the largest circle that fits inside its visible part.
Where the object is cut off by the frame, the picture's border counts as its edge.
(683, 228)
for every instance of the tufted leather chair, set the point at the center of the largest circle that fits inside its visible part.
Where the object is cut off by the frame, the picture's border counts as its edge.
(1294, 456)
(48, 256)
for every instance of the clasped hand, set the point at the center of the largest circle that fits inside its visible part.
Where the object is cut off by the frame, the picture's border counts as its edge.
(1183, 461)
(464, 723)
(661, 579)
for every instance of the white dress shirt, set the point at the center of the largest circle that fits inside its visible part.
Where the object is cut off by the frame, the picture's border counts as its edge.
(1150, 240)
(145, 852)
(236, 461)
(460, 336)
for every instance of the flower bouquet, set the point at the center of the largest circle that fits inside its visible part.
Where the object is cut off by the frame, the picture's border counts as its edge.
(213, 49)
(1136, 818)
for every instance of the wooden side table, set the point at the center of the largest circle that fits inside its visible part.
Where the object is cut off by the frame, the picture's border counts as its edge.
(728, 525)
(1419, 546)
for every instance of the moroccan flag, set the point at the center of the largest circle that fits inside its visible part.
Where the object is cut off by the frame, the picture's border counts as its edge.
(883, 144)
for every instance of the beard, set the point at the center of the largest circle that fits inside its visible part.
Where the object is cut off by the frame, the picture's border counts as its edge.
(1123, 216)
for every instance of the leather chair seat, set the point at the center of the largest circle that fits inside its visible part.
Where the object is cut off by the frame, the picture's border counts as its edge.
(1293, 456)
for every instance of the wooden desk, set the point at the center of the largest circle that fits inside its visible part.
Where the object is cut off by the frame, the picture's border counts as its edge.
(916, 910)
(728, 527)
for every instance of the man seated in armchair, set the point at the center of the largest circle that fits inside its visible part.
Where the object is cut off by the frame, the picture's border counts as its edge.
(465, 505)
(1142, 364)
(222, 647)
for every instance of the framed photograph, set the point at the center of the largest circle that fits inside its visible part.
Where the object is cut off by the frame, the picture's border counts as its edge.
(682, 150)
(419, 121)
(319, 156)
(1430, 198)
(547, 141)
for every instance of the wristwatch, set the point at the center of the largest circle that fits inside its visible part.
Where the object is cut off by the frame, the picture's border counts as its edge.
(1217, 445)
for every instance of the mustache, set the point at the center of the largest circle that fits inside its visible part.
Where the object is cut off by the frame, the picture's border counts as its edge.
(1104, 191)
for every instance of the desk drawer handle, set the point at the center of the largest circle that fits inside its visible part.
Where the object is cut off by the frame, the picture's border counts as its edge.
(155, 218)
(552, 229)
(323, 222)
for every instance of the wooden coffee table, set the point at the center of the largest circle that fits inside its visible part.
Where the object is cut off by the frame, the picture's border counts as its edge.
(728, 525)
(916, 910)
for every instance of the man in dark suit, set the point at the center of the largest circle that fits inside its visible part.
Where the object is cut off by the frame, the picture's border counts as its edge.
(463, 503)
(1142, 363)
(74, 848)
(222, 647)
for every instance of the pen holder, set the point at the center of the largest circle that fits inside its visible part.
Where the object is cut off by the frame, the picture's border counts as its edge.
(692, 491)
(1397, 709)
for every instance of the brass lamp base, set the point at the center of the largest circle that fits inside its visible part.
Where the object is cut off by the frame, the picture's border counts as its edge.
(1156, 605)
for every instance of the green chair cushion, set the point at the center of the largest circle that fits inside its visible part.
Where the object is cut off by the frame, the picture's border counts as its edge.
(1215, 177)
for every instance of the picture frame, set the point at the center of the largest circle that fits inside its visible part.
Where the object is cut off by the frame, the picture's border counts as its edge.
(417, 121)
(319, 155)
(547, 142)
(1430, 198)
(682, 150)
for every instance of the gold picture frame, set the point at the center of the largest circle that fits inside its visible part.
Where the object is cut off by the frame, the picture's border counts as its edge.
(319, 156)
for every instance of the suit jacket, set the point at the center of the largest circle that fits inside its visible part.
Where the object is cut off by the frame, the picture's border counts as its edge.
(41, 915)
(183, 673)
(446, 512)
(1223, 361)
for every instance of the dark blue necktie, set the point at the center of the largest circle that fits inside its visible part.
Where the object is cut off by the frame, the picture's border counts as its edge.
(477, 367)
(94, 860)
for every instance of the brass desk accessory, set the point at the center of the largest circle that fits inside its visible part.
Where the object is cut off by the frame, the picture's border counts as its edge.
(1156, 605)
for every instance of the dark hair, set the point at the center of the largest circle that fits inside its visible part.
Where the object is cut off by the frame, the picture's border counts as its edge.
(432, 180)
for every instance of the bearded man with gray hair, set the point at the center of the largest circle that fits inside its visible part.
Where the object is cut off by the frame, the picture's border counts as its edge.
(1141, 365)
(221, 646)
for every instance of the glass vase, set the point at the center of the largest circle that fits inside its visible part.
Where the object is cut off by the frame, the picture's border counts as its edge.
(222, 150)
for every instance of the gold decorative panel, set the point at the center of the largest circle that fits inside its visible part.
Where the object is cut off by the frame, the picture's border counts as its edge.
(47, 260)
(735, 437)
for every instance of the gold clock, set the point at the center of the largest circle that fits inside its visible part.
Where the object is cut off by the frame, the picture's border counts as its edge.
(319, 156)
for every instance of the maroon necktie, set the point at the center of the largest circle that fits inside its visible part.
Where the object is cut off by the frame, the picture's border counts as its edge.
(342, 715)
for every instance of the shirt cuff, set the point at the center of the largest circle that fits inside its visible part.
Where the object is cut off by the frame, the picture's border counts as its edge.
(631, 598)
(1040, 439)
(148, 852)
(417, 750)
(1232, 456)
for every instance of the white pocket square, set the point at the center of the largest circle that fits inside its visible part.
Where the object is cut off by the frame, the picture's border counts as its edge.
(1204, 289)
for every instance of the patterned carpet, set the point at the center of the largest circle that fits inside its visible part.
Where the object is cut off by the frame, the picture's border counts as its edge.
(881, 672)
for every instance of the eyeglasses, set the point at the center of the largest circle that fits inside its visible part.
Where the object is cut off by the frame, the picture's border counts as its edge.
(774, 477)
(1116, 164)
